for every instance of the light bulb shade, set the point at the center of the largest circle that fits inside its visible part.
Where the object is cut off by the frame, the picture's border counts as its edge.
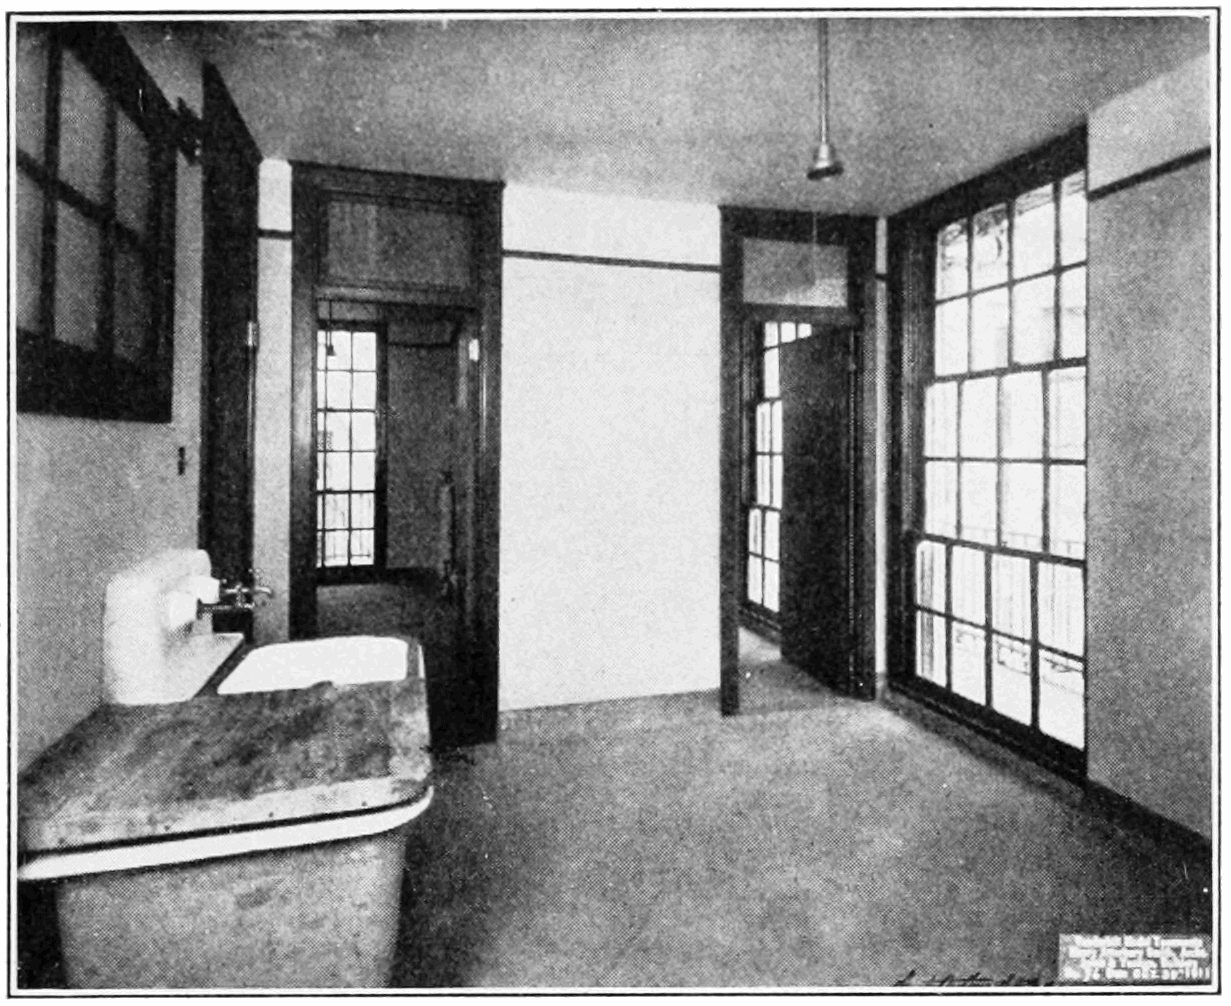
(825, 163)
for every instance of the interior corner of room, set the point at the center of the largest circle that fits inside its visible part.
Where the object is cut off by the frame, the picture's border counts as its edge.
(534, 339)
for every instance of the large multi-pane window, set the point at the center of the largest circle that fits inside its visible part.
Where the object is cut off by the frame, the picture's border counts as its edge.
(764, 505)
(95, 226)
(999, 541)
(347, 411)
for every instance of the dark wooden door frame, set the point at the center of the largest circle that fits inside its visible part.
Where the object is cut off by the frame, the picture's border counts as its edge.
(481, 201)
(230, 167)
(858, 235)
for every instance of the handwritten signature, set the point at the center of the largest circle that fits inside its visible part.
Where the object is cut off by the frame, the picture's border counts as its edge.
(975, 978)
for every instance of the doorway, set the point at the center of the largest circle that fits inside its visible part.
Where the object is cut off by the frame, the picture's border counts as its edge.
(797, 548)
(395, 495)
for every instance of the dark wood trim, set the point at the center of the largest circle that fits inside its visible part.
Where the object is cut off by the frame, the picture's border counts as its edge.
(267, 233)
(1148, 175)
(302, 565)
(631, 263)
(731, 539)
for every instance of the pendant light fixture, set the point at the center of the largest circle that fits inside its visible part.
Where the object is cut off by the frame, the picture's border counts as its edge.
(825, 163)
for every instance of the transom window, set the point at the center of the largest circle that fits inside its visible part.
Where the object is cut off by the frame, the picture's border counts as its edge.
(765, 496)
(347, 447)
(999, 554)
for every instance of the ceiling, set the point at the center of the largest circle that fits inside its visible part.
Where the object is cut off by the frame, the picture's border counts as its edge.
(710, 109)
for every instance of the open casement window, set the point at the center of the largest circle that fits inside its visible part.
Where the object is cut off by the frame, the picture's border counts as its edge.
(990, 550)
(350, 506)
(95, 226)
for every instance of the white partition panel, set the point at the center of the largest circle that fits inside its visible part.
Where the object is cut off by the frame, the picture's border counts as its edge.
(609, 482)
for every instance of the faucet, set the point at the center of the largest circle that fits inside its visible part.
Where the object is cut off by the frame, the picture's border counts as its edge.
(235, 597)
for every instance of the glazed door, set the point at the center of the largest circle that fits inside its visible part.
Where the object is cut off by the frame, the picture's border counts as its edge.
(818, 618)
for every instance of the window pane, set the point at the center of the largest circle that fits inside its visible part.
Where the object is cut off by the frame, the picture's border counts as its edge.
(132, 173)
(1011, 595)
(991, 246)
(788, 332)
(132, 304)
(363, 470)
(1011, 678)
(337, 431)
(776, 439)
(363, 431)
(1073, 218)
(1034, 232)
(339, 359)
(968, 584)
(322, 352)
(363, 351)
(772, 518)
(337, 510)
(969, 662)
(1022, 416)
(776, 496)
(771, 585)
(989, 330)
(771, 333)
(337, 390)
(930, 648)
(951, 258)
(363, 510)
(1066, 513)
(930, 576)
(78, 271)
(979, 418)
(940, 420)
(83, 130)
(763, 486)
(1062, 620)
(31, 96)
(365, 391)
(979, 501)
(769, 384)
(336, 548)
(805, 330)
(1034, 320)
(940, 498)
(362, 548)
(1066, 428)
(951, 338)
(755, 573)
(1073, 313)
(755, 539)
(1022, 522)
(29, 252)
(763, 427)
(1062, 694)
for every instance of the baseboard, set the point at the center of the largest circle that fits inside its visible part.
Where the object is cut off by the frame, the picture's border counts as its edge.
(1129, 813)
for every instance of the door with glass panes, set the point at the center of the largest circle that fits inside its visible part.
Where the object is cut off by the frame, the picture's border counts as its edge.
(800, 500)
(997, 542)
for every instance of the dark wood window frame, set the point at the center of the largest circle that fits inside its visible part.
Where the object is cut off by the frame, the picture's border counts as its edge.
(912, 256)
(55, 376)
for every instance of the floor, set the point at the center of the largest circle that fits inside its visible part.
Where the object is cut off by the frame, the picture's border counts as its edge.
(652, 843)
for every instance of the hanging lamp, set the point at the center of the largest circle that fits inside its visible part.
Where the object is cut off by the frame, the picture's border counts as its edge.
(825, 163)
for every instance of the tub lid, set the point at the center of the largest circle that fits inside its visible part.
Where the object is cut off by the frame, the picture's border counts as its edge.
(216, 762)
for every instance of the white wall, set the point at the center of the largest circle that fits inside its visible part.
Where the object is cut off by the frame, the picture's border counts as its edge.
(1150, 419)
(271, 512)
(609, 537)
(93, 497)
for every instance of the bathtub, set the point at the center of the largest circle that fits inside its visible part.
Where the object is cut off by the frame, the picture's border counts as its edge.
(286, 886)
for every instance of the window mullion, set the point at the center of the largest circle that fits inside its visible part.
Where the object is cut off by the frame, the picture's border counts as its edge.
(106, 311)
